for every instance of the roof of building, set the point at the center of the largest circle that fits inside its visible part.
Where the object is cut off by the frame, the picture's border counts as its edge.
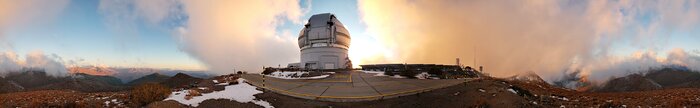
(316, 32)
(320, 19)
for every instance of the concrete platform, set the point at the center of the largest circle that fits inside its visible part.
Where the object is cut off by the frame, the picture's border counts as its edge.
(349, 86)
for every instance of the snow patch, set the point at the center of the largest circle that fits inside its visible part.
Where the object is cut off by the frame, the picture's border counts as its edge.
(241, 92)
(511, 90)
(294, 75)
(113, 101)
(560, 98)
(222, 84)
(398, 76)
(423, 75)
(377, 73)
(316, 77)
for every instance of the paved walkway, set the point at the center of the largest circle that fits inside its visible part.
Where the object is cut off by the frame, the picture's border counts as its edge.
(350, 86)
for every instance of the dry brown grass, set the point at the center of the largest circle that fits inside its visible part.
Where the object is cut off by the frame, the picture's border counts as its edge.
(192, 93)
(149, 92)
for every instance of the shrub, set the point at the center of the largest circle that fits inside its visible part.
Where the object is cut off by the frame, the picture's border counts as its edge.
(437, 71)
(409, 73)
(192, 93)
(389, 73)
(149, 92)
(268, 71)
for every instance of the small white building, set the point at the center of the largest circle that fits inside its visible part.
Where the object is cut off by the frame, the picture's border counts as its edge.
(324, 43)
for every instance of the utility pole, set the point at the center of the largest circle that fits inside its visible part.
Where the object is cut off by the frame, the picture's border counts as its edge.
(474, 56)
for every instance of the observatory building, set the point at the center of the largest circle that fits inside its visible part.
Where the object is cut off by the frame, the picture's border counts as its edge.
(324, 43)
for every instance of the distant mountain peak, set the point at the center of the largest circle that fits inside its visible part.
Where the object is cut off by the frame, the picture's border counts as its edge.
(530, 77)
(180, 80)
(93, 70)
(154, 77)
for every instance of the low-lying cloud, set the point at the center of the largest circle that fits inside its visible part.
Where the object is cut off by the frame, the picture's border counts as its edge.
(640, 62)
(37, 60)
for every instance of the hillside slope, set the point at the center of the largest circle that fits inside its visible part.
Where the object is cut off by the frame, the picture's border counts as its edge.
(151, 78)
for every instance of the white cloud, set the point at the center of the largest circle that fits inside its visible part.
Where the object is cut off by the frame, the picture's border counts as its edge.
(240, 35)
(51, 64)
(224, 35)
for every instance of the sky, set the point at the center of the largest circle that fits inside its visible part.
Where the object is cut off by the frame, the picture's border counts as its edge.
(547, 37)
(81, 33)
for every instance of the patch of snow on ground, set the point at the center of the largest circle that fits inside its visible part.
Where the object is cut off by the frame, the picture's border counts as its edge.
(560, 98)
(377, 73)
(316, 77)
(294, 75)
(113, 101)
(511, 90)
(241, 92)
(423, 75)
(215, 81)
(397, 76)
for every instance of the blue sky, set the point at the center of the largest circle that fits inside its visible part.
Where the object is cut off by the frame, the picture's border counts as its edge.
(80, 32)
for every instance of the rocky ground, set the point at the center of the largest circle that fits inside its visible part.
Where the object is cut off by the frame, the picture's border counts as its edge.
(485, 92)
(551, 96)
(63, 98)
(498, 93)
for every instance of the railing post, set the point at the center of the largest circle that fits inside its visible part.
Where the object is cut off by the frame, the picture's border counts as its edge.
(465, 81)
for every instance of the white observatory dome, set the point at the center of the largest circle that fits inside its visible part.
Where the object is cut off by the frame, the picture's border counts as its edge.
(324, 43)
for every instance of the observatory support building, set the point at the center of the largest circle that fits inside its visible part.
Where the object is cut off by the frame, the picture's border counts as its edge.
(324, 43)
